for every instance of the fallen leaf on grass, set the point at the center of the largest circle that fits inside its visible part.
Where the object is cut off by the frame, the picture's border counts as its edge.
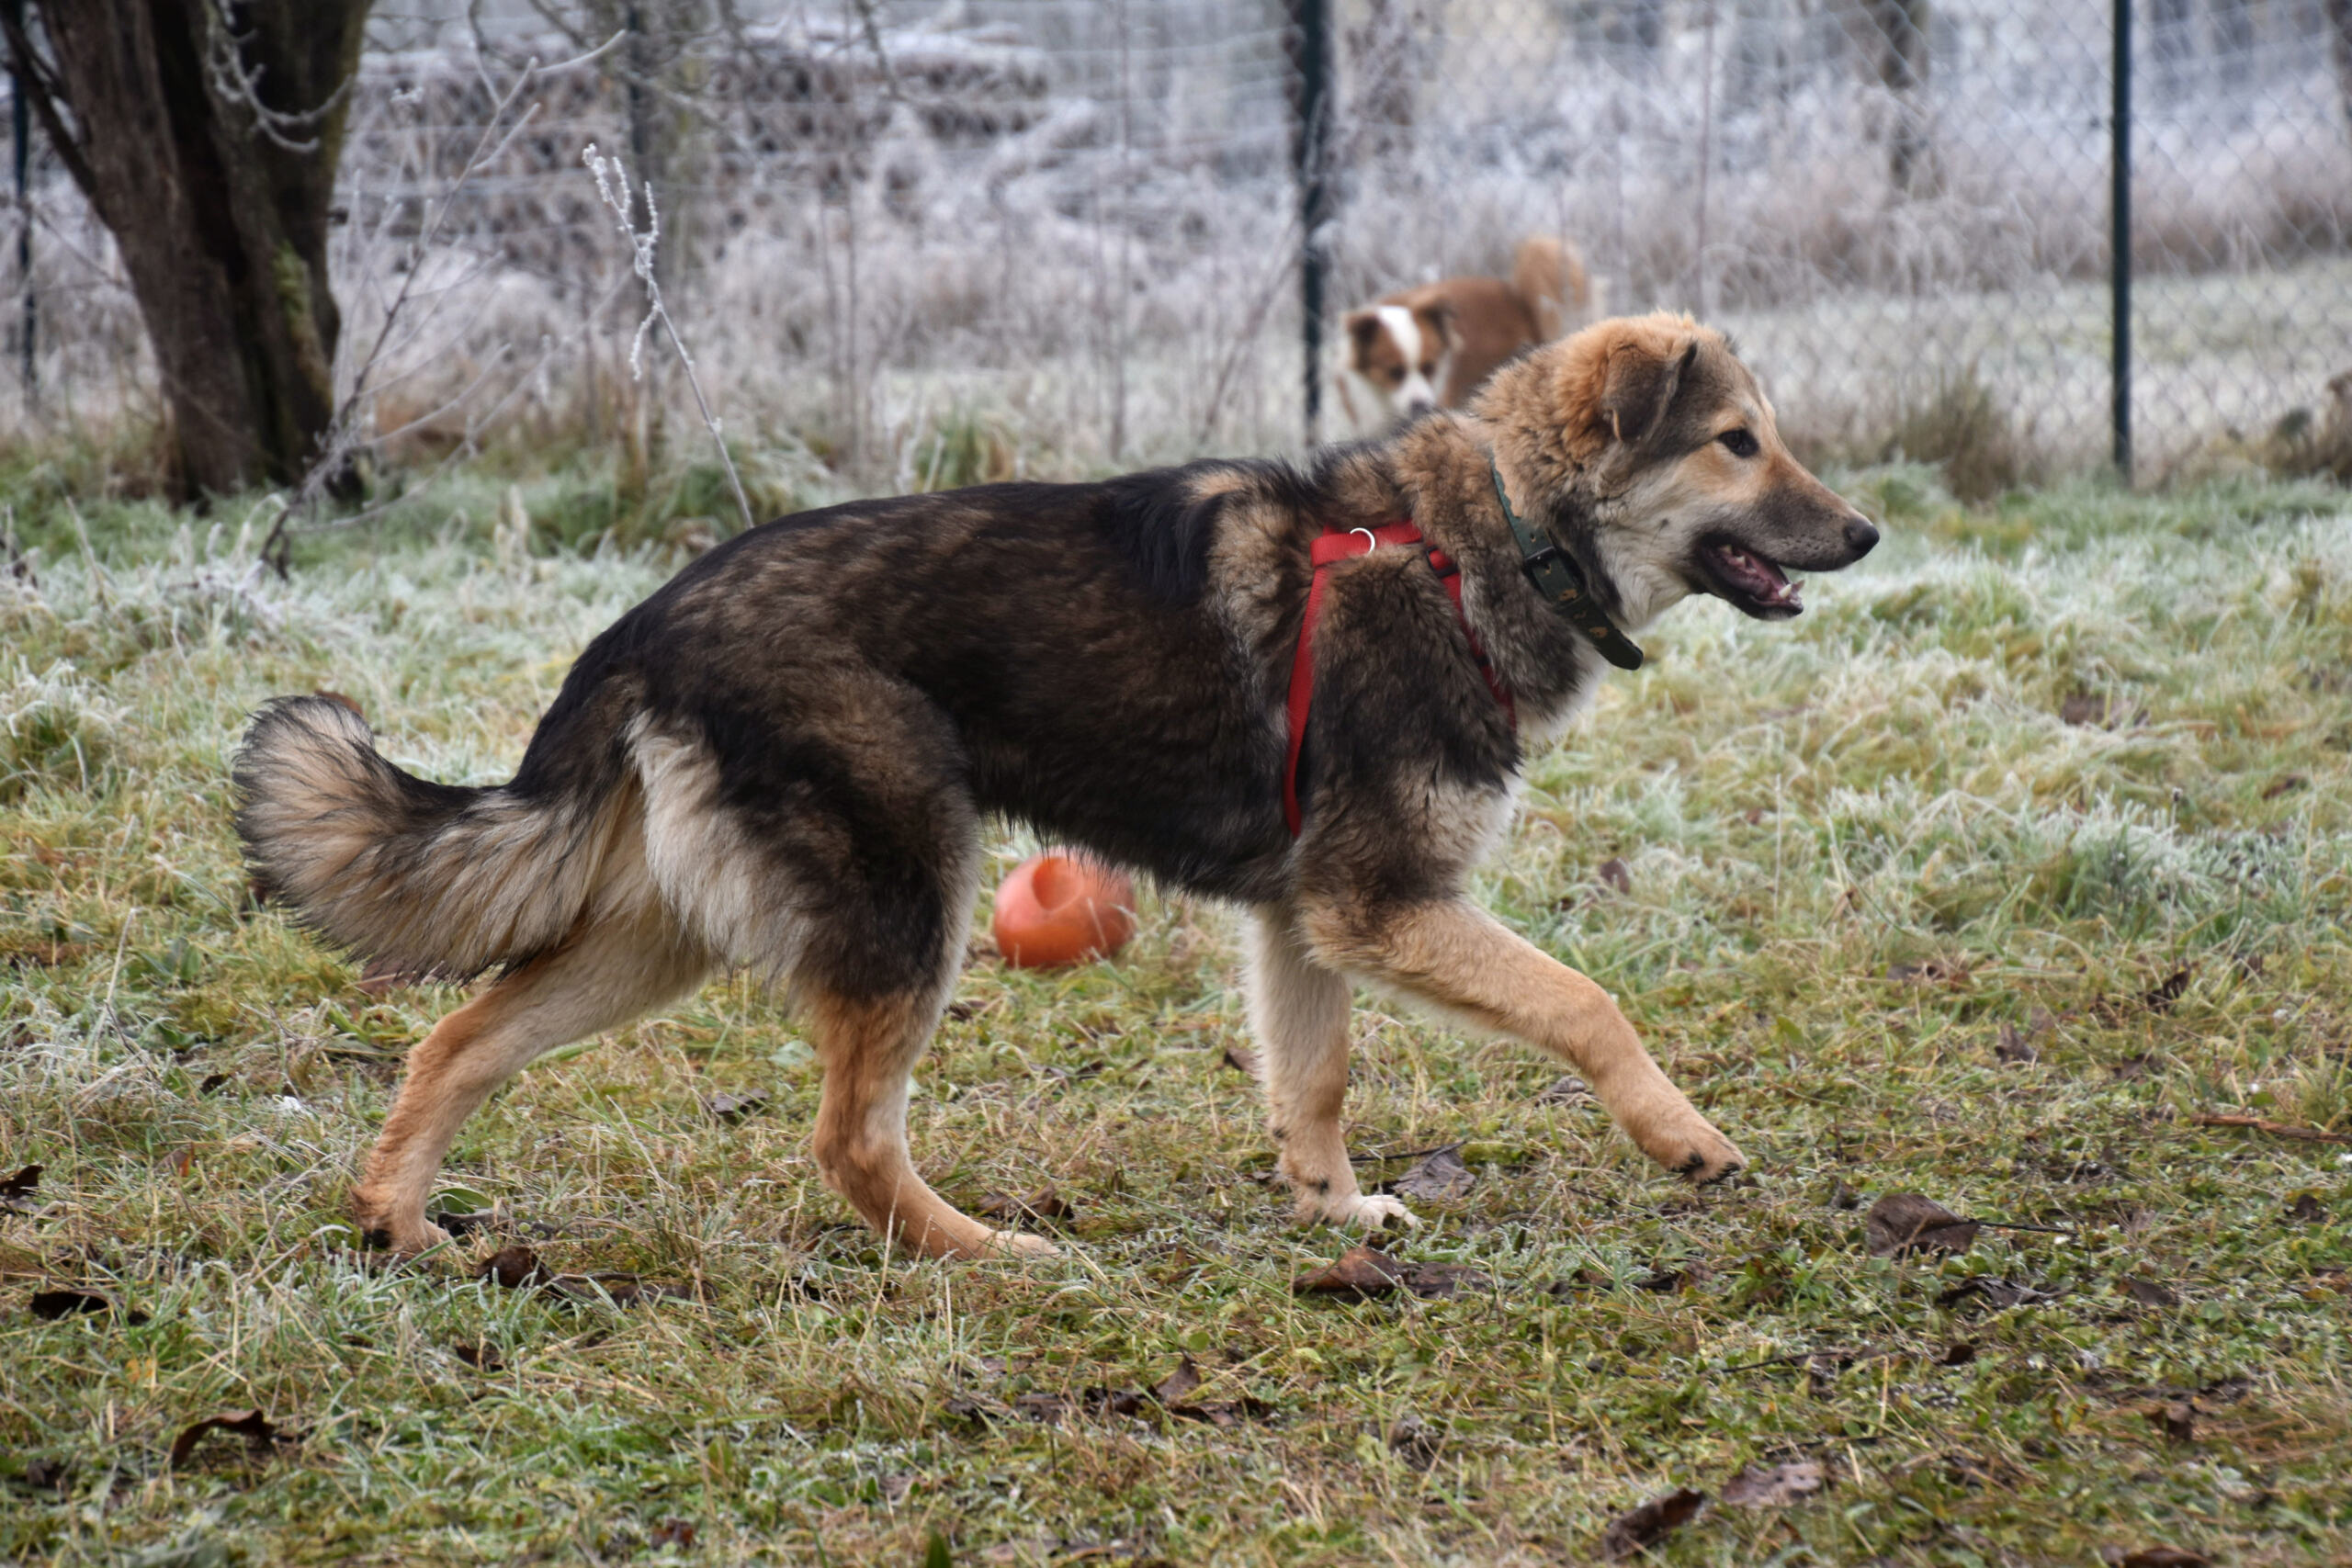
(1959, 1353)
(1775, 1487)
(1614, 873)
(673, 1532)
(2147, 1292)
(1363, 1272)
(17, 1191)
(2176, 1419)
(1360, 1271)
(733, 1107)
(2275, 1129)
(1178, 1383)
(514, 1268)
(1643, 1527)
(2166, 992)
(1567, 1091)
(2283, 784)
(480, 1356)
(67, 1300)
(259, 1432)
(2163, 1557)
(518, 1268)
(1241, 1059)
(2307, 1208)
(1436, 1177)
(1903, 1222)
(2015, 1048)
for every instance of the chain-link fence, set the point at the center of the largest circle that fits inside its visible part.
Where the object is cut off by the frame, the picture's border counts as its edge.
(925, 243)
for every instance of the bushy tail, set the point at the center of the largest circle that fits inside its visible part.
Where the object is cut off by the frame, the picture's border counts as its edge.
(1549, 275)
(415, 878)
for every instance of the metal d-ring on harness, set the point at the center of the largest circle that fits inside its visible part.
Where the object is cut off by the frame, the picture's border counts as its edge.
(1557, 577)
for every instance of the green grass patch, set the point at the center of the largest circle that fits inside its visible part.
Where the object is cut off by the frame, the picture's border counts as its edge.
(2023, 848)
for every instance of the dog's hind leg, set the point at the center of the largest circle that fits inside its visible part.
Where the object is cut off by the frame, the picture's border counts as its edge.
(1459, 957)
(1299, 1010)
(602, 975)
(869, 1047)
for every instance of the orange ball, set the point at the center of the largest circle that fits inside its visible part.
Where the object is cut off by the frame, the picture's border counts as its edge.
(1057, 910)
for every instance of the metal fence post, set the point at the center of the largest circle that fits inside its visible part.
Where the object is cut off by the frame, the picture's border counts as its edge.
(1310, 43)
(21, 123)
(2120, 239)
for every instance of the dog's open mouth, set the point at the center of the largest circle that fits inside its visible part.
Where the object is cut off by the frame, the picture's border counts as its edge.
(1749, 581)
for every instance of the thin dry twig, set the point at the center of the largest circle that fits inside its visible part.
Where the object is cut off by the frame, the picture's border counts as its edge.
(612, 186)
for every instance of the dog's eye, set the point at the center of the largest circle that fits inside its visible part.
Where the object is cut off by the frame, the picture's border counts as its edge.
(1738, 442)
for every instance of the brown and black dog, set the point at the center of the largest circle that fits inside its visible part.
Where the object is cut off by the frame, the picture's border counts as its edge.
(784, 758)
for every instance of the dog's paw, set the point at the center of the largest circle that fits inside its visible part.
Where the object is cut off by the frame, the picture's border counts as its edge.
(1709, 1160)
(382, 1224)
(1021, 1245)
(1373, 1211)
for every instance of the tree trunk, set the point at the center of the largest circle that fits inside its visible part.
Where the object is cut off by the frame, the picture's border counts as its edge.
(205, 135)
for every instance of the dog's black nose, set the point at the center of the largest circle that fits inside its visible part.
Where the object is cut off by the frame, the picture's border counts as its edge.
(1860, 536)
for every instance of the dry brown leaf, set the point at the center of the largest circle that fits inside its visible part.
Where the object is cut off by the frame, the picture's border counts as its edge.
(1903, 1222)
(1614, 873)
(2015, 1048)
(733, 1107)
(1643, 1527)
(514, 1268)
(1567, 1091)
(673, 1532)
(1172, 1388)
(2166, 992)
(1436, 1177)
(2307, 1208)
(1360, 1271)
(17, 1191)
(259, 1432)
(1775, 1487)
(2147, 1292)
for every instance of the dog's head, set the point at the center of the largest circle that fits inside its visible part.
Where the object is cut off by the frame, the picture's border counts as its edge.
(1651, 454)
(1400, 352)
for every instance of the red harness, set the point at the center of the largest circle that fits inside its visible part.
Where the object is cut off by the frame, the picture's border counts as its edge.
(1345, 543)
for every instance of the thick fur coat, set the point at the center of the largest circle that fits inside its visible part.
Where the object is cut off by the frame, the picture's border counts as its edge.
(783, 759)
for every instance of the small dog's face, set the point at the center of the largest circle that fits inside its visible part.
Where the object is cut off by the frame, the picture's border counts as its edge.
(1665, 437)
(1400, 353)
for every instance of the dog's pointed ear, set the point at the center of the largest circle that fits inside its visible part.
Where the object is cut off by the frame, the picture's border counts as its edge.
(1640, 386)
(1437, 320)
(1362, 326)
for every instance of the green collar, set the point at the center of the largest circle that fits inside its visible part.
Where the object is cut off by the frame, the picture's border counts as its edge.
(1561, 581)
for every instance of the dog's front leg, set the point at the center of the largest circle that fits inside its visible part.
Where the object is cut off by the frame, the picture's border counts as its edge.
(1461, 958)
(1299, 1010)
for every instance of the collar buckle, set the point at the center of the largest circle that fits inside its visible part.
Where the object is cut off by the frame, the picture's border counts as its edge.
(1554, 574)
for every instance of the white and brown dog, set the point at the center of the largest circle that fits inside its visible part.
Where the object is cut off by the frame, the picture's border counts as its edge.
(1432, 346)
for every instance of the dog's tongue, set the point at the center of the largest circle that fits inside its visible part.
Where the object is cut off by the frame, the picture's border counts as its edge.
(1761, 577)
